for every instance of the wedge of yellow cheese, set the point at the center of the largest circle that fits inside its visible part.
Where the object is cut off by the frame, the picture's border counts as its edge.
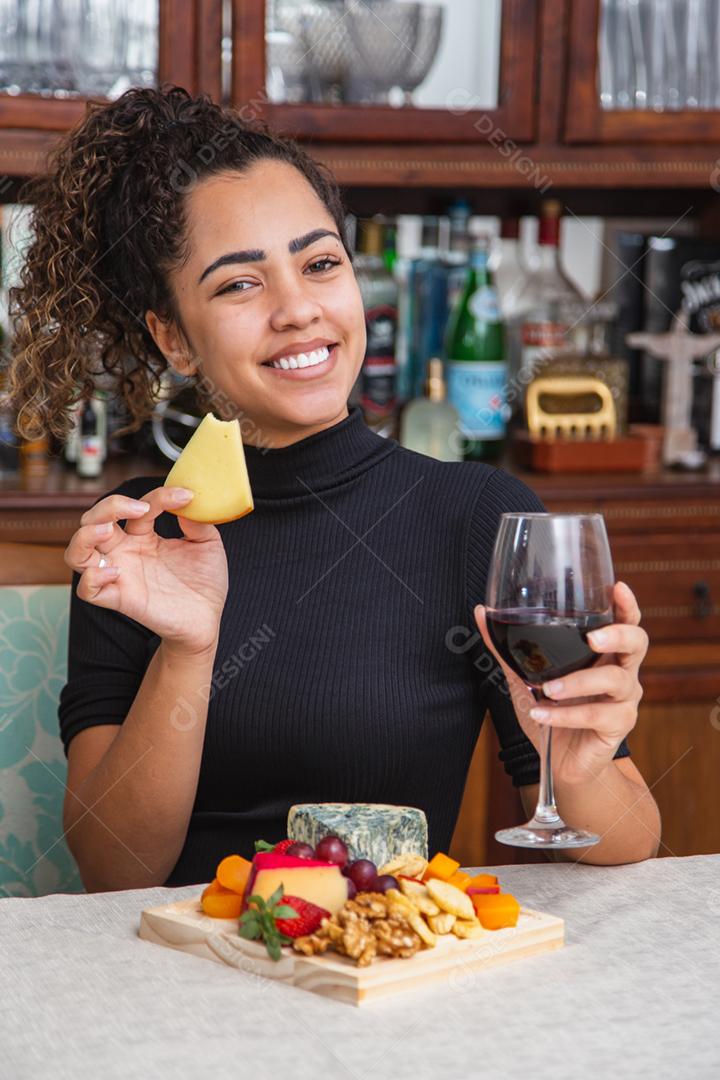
(213, 466)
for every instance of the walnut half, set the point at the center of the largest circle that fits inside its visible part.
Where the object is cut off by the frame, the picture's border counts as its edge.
(362, 929)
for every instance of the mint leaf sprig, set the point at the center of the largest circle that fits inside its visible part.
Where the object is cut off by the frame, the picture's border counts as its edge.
(263, 845)
(259, 921)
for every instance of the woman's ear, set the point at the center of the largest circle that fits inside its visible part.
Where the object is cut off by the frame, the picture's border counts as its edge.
(171, 343)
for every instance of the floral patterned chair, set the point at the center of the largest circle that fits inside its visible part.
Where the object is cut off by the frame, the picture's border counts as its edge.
(34, 858)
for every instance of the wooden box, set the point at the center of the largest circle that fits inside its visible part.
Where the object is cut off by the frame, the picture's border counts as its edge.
(624, 454)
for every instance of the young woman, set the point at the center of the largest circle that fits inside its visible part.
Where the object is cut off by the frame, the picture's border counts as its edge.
(324, 648)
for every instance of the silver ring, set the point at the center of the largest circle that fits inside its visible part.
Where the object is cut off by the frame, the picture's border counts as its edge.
(103, 562)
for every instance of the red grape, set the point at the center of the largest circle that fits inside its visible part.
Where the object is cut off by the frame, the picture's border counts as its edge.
(352, 891)
(301, 851)
(383, 882)
(332, 849)
(362, 872)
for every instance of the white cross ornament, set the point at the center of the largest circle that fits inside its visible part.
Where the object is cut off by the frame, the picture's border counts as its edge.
(680, 348)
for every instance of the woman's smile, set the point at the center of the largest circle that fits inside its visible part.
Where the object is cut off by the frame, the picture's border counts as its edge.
(311, 363)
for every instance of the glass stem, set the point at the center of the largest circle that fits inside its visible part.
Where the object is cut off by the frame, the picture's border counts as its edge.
(546, 811)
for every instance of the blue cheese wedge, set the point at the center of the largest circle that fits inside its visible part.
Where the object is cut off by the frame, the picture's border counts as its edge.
(369, 830)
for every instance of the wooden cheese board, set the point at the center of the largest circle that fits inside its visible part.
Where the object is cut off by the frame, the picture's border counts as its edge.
(182, 925)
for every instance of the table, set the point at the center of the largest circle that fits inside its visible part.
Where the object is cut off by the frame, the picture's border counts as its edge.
(633, 994)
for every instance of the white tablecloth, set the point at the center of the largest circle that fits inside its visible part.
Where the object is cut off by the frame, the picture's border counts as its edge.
(633, 994)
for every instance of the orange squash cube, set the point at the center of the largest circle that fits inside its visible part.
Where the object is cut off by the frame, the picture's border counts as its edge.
(222, 905)
(213, 887)
(233, 872)
(481, 880)
(496, 911)
(460, 880)
(441, 866)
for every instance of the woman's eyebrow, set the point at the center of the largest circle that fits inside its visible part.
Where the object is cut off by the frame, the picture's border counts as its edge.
(309, 238)
(258, 255)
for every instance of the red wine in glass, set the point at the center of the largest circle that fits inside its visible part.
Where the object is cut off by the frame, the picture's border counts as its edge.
(550, 584)
(543, 645)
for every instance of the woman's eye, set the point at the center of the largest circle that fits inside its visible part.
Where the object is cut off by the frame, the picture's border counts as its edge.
(320, 265)
(236, 286)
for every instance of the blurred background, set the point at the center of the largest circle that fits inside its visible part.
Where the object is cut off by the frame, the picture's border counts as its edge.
(529, 184)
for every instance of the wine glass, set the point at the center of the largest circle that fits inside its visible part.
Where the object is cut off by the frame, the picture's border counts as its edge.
(550, 584)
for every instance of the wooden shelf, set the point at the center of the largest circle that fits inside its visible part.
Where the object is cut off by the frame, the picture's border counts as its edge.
(63, 488)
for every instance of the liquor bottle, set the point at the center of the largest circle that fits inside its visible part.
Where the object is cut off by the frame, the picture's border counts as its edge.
(552, 312)
(9, 452)
(476, 364)
(379, 291)
(430, 425)
(430, 301)
(404, 275)
(91, 452)
(511, 279)
(507, 269)
(390, 247)
(72, 440)
(457, 256)
(34, 458)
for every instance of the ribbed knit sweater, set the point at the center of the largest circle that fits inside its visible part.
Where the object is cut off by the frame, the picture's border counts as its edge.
(349, 667)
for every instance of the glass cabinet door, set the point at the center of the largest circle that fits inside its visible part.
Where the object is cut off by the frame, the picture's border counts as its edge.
(390, 52)
(56, 54)
(647, 69)
(401, 69)
(77, 48)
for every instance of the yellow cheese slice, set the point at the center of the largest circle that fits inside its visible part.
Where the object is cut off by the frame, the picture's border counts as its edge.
(324, 886)
(213, 466)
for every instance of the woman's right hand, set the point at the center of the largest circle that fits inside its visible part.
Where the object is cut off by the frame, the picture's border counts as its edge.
(174, 587)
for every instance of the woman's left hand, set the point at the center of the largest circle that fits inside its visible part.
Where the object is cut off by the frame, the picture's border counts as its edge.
(592, 710)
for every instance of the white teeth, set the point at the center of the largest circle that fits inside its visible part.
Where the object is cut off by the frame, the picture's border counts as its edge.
(318, 356)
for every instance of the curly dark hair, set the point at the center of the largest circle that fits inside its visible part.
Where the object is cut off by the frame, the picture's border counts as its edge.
(108, 225)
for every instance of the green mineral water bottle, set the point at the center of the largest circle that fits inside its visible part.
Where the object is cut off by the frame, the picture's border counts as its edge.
(476, 361)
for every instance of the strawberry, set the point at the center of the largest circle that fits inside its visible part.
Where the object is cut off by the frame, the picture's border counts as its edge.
(282, 846)
(279, 919)
(309, 917)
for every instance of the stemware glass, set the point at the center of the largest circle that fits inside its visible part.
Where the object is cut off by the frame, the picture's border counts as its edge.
(425, 50)
(550, 584)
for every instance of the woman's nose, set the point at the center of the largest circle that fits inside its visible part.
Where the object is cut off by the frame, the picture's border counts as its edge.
(295, 306)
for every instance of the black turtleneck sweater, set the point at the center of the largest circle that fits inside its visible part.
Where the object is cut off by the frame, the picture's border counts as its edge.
(349, 667)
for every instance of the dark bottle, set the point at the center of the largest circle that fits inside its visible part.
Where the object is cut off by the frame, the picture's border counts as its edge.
(9, 451)
(379, 291)
(91, 451)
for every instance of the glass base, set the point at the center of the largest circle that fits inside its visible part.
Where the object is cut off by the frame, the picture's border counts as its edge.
(536, 835)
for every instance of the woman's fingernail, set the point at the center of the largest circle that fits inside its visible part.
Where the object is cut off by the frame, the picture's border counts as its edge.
(103, 530)
(540, 714)
(144, 506)
(553, 688)
(180, 494)
(598, 637)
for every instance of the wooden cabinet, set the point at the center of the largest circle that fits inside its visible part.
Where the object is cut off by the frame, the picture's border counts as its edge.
(189, 54)
(547, 130)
